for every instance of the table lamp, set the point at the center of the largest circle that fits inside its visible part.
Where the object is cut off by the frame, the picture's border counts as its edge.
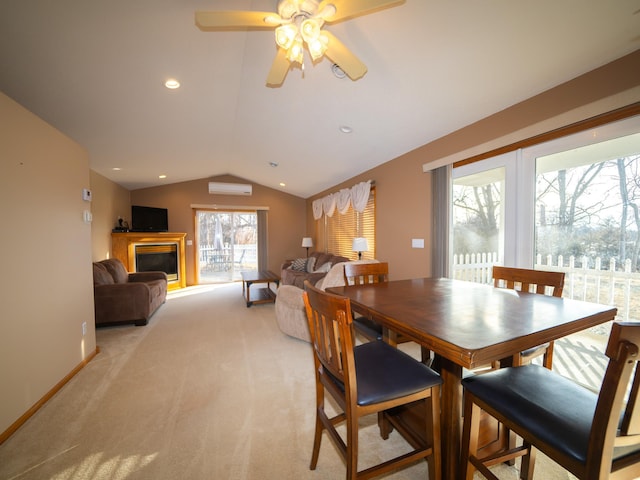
(360, 245)
(307, 242)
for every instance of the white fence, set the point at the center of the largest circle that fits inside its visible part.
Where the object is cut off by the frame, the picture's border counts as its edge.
(585, 279)
(224, 259)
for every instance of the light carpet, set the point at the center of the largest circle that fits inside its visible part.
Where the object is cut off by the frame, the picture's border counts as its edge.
(209, 389)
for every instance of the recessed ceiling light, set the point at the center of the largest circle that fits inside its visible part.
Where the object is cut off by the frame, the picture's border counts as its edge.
(172, 84)
(337, 71)
(116, 169)
(345, 129)
(282, 184)
(162, 176)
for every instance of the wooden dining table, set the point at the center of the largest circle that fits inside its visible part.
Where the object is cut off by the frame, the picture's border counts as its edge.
(468, 325)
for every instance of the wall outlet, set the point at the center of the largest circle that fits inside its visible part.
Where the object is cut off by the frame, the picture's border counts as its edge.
(84, 328)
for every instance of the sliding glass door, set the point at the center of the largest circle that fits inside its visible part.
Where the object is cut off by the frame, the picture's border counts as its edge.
(227, 244)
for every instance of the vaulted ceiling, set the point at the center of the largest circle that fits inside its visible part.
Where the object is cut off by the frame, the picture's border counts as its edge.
(96, 71)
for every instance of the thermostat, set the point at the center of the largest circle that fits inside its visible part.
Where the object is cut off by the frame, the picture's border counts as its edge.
(86, 194)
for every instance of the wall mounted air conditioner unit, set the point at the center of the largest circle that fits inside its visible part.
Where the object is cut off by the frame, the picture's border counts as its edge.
(220, 188)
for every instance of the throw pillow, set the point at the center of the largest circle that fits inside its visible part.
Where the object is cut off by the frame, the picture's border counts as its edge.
(323, 268)
(299, 264)
(311, 263)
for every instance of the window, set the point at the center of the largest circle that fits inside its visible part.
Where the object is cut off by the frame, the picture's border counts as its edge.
(342, 229)
(478, 221)
(570, 204)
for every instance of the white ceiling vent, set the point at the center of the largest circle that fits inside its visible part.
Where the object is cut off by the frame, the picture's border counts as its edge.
(220, 188)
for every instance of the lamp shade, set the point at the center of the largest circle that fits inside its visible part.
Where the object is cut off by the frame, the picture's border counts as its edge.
(360, 245)
(307, 242)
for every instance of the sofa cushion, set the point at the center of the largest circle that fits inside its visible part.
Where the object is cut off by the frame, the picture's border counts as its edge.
(324, 268)
(311, 263)
(100, 275)
(116, 269)
(323, 258)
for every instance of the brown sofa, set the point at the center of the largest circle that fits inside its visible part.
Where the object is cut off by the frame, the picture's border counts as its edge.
(121, 297)
(293, 272)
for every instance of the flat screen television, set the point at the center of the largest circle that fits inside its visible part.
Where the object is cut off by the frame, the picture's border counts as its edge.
(149, 219)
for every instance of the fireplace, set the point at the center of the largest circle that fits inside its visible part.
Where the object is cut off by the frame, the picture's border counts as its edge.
(145, 251)
(158, 257)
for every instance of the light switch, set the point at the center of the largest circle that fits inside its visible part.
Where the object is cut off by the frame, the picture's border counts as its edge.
(417, 243)
(87, 216)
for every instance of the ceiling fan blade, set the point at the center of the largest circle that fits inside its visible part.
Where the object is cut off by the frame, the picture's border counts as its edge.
(279, 69)
(342, 56)
(351, 8)
(214, 20)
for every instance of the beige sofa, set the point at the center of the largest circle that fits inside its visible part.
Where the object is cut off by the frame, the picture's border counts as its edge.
(122, 297)
(290, 313)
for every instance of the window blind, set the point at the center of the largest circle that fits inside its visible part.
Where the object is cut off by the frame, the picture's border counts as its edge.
(342, 229)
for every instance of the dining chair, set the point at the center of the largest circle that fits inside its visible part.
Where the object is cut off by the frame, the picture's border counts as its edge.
(535, 281)
(369, 378)
(592, 435)
(365, 274)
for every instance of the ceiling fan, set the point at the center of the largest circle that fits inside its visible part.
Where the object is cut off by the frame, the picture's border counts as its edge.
(299, 23)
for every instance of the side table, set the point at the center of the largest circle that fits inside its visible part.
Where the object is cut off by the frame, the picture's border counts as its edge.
(261, 295)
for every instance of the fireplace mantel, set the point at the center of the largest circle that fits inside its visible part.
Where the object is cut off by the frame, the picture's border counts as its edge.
(123, 248)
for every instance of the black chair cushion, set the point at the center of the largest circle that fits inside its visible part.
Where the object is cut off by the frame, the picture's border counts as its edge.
(551, 407)
(368, 328)
(384, 373)
(534, 350)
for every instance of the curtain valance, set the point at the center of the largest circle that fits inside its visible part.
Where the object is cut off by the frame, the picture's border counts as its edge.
(356, 196)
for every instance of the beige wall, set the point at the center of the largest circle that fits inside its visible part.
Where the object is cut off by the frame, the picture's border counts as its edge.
(403, 191)
(46, 287)
(110, 201)
(286, 215)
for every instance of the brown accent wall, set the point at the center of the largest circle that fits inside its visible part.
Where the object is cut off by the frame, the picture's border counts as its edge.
(403, 191)
(285, 219)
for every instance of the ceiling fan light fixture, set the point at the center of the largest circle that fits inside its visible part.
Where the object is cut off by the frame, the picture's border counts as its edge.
(285, 35)
(310, 29)
(295, 53)
(318, 47)
(288, 8)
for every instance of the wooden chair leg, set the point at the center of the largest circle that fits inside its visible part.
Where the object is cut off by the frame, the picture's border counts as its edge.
(352, 447)
(317, 438)
(547, 359)
(433, 435)
(384, 425)
(425, 355)
(470, 434)
(528, 463)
